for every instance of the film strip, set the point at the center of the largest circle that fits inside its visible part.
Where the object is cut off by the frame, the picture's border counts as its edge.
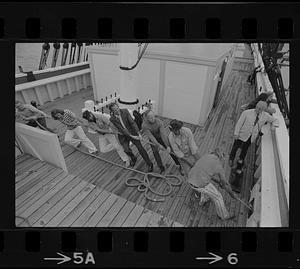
(182, 246)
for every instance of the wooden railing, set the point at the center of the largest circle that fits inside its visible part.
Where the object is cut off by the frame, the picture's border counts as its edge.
(51, 88)
(51, 72)
(270, 194)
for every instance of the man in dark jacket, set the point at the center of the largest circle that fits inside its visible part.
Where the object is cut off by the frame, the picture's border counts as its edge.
(125, 124)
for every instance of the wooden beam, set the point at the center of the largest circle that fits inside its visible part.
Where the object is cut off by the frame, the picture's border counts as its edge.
(39, 96)
(25, 97)
(77, 84)
(49, 91)
(60, 91)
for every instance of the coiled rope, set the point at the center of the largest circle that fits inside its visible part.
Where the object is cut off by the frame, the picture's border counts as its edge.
(143, 185)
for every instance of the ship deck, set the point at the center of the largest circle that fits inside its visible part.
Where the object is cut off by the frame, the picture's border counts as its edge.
(93, 193)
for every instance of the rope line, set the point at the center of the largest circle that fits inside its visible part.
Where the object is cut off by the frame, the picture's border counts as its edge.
(142, 185)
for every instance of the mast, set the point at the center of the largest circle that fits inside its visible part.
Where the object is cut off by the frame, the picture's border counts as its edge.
(128, 78)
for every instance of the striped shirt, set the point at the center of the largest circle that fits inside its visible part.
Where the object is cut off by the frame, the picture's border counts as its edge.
(69, 119)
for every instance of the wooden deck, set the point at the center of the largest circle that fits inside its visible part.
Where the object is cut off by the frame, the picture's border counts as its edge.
(50, 197)
(94, 192)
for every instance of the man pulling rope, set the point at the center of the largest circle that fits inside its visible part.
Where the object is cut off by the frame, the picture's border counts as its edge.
(144, 184)
(207, 171)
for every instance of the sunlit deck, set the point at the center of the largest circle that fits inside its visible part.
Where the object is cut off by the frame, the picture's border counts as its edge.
(94, 193)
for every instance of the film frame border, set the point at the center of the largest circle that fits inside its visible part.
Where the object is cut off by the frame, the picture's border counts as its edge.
(154, 247)
(214, 28)
(207, 22)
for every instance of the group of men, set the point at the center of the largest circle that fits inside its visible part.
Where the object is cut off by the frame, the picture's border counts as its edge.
(120, 129)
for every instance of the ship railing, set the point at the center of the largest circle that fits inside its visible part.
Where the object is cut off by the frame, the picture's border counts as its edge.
(53, 69)
(108, 45)
(59, 82)
(270, 194)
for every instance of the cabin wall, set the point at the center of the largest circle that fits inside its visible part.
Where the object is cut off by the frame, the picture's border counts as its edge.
(148, 82)
(208, 97)
(229, 65)
(285, 74)
(105, 73)
(212, 80)
(180, 78)
(205, 50)
(184, 91)
(177, 88)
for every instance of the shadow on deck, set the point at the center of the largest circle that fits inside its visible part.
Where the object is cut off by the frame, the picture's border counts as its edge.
(181, 206)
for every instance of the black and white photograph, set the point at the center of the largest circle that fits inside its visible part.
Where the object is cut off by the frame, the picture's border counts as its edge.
(152, 135)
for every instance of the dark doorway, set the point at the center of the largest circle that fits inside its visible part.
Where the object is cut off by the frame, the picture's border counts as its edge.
(218, 90)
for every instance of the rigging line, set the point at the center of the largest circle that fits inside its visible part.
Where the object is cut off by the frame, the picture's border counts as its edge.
(72, 53)
(139, 58)
(56, 47)
(44, 56)
(142, 185)
(64, 54)
(79, 52)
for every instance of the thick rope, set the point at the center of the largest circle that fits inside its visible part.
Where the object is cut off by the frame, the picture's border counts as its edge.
(142, 185)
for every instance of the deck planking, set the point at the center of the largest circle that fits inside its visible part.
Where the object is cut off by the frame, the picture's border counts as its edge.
(123, 214)
(181, 206)
(38, 188)
(86, 215)
(80, 208)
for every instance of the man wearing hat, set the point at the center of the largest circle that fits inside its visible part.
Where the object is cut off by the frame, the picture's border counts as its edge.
(183, 145)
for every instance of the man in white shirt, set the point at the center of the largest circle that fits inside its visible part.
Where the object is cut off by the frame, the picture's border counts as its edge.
(183, 144)
(248, 128)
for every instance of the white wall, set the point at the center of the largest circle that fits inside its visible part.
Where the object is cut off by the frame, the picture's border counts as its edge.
(148, 81)
(184, 89)
(285, 74)
(184, 79)
(228, 66)
(106, 75)
(204, 50)
(208, 97)
(213, 75)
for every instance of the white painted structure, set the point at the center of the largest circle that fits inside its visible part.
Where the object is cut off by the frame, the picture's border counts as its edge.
(180, 78)
(49, 89)
(40, 144)
(271, 192)
(128, 78)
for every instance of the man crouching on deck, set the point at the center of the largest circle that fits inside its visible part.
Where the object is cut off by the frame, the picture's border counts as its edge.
(206, 171)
